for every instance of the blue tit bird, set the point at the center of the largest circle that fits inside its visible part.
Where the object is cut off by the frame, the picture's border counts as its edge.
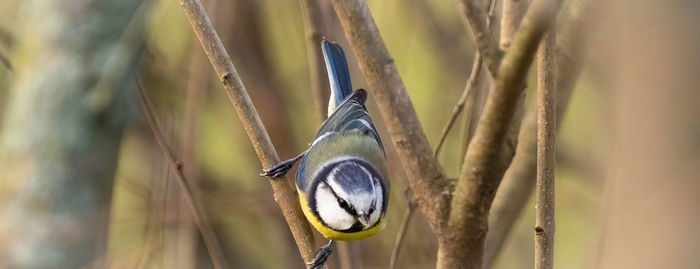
(340, 179)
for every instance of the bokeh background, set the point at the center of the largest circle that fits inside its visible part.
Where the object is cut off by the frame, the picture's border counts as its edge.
(627, 168)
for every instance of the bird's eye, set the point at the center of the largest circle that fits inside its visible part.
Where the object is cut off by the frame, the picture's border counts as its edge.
(342, 203)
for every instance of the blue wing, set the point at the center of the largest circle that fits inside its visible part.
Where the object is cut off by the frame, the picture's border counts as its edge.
(351, 115)
(338, 73)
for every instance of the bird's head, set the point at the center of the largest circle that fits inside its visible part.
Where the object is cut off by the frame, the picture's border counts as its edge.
(350, 197)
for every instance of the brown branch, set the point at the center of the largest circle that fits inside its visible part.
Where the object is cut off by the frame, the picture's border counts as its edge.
(425, 175)
(513, 12)
(546, 150)
(485, 42)
(519, 180)
(285, 196)
(198, 214)
(313, 23)
(486, 159)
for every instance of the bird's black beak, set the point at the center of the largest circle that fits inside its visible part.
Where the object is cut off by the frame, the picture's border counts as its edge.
(363, 218)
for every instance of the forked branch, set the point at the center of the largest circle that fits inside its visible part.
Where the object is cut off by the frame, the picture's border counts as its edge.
(485, 42)
(485, 163)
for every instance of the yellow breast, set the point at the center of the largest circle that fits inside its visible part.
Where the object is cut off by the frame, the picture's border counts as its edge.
(333, 234)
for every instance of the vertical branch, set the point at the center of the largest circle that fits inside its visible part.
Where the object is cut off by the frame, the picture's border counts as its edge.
(546, 151)
(285, 196)
(198, 214)
(313, 23)
(513, 12)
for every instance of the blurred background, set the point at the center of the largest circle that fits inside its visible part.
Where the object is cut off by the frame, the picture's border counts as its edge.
(628, 167)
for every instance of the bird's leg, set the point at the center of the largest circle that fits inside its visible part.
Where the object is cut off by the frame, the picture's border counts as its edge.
(321, 256)
(281, 168)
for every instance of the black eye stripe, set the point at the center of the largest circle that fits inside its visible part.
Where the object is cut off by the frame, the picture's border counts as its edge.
(343, 204)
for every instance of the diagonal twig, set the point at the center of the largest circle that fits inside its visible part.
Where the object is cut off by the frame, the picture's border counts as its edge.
(284, 194)
(471, 82)
(198, 214)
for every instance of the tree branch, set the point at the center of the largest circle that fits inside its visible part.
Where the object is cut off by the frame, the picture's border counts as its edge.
(313, 22)
(513, 12)
(198, 214)
(425, 176)
(485, 42)
(285, 196)
(546, 150)
(483, 168)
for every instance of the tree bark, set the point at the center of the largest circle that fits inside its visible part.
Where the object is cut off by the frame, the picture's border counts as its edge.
(546, 151)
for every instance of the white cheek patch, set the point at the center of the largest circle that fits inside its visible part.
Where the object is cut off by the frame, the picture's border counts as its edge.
(374, 217)
(330, 212)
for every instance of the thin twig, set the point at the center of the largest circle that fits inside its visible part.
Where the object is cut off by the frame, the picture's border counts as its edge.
(313, 23)
(480, 28)
(471, 82)
(285, 196)
(410, 208)
(489, 155)
(198, 214)
(546, 150)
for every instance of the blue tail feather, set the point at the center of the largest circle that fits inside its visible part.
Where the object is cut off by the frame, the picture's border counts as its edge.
(338, 73)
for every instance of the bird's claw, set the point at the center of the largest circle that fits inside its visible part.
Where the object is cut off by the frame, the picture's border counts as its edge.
(321, 256)
(278, 170)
